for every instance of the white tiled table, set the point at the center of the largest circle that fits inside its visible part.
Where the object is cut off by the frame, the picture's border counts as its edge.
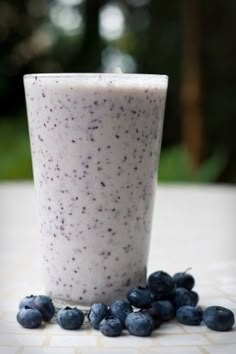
(193, 226)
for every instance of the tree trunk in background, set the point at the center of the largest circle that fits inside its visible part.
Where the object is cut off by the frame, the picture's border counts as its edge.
(88, 57)
(191, 88)
(148, 54)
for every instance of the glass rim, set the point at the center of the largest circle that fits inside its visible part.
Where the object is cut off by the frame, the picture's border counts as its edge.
(112, 81)
(92, 75)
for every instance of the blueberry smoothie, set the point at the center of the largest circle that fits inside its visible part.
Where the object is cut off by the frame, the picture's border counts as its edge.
(95, 143)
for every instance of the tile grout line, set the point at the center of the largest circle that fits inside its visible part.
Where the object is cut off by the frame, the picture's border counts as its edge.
(209, 338)
(20, 350)
(100, 342)
(46, 341)
(202, 349)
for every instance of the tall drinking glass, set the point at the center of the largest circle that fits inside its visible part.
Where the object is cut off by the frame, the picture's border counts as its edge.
(95, 143)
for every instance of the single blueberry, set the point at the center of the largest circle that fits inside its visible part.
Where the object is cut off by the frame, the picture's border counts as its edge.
(156, 321)
(189, 315)
(121, 309)
(97, 313)
(161, 285)
(153, 310)
(45, 305)
(195, 297)
(182, 297)
(111, 327)
(218, 318)
(29, 318)
(163, 309)
(70, 318)
(27, 301)
(139, 297)
(184, 280)
(139, 324)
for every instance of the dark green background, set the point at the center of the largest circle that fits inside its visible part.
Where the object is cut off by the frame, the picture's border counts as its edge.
(153, 39)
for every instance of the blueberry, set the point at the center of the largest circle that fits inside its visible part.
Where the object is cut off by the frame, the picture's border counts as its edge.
(29, 318)
(70, 318)
(111, 327)
(195, 297)
(97, 313)
(121, 309)
(156, 323)
(182, 297)
(161, 285)
(153, 310)
(218, 318)
(139, 297)
(184, 280)
(44, 304)
(139, 324)
(189, 315)
(27, 301)
(156, 320)
(163, 309)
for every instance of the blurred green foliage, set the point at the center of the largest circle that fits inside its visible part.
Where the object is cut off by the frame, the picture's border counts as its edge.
(66, 36)
(14, 150)
(175, 166)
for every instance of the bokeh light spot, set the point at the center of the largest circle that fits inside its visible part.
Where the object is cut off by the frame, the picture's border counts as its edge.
(111, 22)
(113, 60)
(66, 18)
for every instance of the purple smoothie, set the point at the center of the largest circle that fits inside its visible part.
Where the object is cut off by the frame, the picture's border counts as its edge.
(95, 143)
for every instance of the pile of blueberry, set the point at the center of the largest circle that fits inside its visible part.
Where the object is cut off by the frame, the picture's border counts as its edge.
(164, 298)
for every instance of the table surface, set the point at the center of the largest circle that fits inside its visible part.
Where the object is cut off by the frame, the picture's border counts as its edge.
(194, 226)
